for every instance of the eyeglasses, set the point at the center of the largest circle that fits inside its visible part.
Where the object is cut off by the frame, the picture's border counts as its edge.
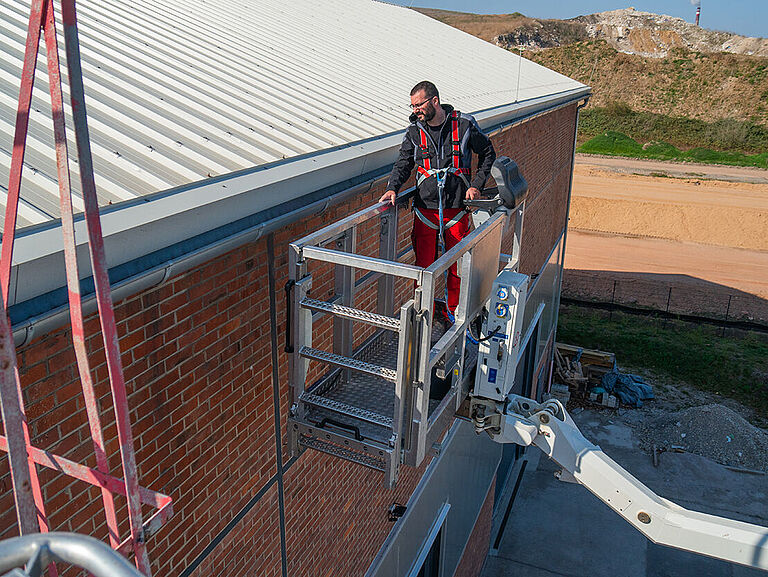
(420, 104)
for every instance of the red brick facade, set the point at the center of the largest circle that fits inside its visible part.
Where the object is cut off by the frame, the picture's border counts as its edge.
(479, 542)
(197, 353)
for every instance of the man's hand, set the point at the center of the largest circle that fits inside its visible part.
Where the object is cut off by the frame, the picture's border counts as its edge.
(472, 193)
(389, 197)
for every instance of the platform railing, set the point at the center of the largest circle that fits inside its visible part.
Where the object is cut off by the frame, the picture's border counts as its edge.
(416, 423)
(478, 257)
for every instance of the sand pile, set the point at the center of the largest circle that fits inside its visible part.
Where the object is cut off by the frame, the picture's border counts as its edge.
(712, 431)
(710, 212)
(732, 226)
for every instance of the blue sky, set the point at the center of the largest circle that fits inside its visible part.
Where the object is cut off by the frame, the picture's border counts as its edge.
(746, 17)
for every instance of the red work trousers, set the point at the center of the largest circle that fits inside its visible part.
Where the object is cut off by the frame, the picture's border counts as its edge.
(424, 241)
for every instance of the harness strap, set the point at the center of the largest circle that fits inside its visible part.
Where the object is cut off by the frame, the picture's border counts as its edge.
(455, 138)
(424, 149)
(454, 221)
(427, 171)
(425, 174)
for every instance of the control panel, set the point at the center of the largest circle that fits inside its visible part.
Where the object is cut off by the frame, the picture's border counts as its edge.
(500, 337)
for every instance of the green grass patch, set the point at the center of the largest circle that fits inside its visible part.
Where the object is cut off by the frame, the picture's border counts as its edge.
(728, 134)
(661, 149)
(615, 143)
(734, 366)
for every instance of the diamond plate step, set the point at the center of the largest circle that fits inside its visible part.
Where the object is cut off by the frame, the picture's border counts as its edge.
(346, 409)
(365, 459)
(377, 320)
(348, 363)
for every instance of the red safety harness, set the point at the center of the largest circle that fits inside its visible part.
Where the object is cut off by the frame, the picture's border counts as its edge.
(427, 171)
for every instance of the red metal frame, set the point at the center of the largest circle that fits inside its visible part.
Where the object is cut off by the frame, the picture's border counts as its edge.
(27, 493)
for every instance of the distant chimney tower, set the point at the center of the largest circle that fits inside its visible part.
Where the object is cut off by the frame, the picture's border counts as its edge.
(698, 14)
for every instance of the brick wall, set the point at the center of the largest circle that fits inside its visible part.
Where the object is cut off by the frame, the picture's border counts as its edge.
(197, 353)
(479, 541)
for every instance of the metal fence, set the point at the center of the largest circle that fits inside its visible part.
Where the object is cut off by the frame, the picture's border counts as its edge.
(680, 296)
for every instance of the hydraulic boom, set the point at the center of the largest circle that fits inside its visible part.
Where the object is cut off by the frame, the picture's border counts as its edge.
(549, 427)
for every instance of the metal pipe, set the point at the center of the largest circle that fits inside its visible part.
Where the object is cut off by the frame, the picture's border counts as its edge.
(73, 274)
(79, 550)
(30, 513)
(23, 474)
(363, 262)
(556, 312)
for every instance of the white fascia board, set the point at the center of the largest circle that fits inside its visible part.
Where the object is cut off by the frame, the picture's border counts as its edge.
(161, 220)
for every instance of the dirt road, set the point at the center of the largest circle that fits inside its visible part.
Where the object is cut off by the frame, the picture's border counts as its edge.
(709, 232)
(744, 270)
(675, 169)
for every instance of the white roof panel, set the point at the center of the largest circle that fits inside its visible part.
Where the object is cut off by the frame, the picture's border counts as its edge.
(180, 91)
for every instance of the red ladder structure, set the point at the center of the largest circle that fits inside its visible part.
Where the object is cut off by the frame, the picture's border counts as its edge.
(23, 457)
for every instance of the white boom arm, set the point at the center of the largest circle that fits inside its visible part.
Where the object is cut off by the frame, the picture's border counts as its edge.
(551, 429)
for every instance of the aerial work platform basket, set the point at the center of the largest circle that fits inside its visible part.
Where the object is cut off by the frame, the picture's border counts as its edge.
(376, 375)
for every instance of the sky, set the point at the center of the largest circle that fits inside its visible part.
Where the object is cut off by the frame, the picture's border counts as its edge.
(745, 17)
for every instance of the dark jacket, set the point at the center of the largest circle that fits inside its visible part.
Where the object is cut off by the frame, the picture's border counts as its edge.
(472, 140)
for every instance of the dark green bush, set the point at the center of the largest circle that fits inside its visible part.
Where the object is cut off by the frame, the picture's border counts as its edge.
(614, 143)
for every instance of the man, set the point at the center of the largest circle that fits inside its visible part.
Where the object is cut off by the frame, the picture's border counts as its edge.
(440, 137)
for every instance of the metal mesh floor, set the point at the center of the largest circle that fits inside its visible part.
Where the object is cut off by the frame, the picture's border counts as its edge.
(364, 402)
(363, 391)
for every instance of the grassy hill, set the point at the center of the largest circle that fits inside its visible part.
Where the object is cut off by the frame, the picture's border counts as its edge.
(682, 132)
(705, 86)
(485, 26)
(687, 99)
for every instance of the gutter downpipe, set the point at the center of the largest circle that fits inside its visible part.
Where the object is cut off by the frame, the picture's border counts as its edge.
(565, 238)
(25, 331)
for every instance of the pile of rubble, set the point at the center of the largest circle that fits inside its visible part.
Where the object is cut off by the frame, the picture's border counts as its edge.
(594, 376)
(713, 431)
(538, 34)
(655, 35)
(632, 32)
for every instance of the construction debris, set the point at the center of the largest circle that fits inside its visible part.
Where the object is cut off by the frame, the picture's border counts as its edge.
(581, 369)
(593, 376)
(630, 389)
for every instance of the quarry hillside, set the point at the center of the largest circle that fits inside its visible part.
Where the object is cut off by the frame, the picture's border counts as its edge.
(654, 63)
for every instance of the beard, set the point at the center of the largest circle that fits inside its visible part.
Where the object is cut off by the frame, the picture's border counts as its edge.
(428, 113)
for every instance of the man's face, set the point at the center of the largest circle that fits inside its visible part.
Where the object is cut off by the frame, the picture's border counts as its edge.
(423, 107)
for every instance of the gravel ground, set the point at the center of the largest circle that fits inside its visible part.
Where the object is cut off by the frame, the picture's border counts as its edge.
(700, 422)
(713, 431)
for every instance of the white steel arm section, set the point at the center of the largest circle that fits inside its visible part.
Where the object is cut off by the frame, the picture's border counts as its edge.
(549, 427)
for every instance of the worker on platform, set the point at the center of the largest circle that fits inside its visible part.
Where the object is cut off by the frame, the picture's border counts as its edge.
(439, 142)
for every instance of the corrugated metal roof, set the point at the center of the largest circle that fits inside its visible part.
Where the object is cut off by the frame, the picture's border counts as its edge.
(178, 92)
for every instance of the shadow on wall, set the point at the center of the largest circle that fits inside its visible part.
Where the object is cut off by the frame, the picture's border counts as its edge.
(676, 294)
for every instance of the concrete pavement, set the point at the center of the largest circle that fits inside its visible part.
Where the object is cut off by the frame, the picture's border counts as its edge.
(558, 529)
